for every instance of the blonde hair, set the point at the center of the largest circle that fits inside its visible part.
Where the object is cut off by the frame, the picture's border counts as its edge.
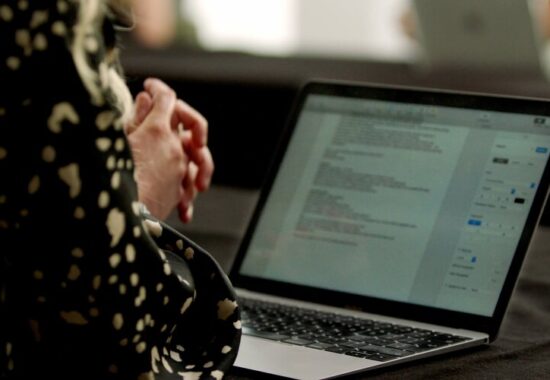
(104, 83)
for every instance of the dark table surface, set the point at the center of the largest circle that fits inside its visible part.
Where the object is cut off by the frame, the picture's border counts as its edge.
(522, 349)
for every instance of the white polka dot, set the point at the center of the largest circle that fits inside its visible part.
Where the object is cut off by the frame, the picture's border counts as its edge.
(103, 200)
(155, 357)
(136, 208)
(130, 253)
(226, 349)
(6, 14)
(3, 153)
(23, 5)
(140, 325)
(73, 318)
(238, 325)
(34, 185)
(134, 279)
(48, 153)
(189, 253)
(129, 164)
(113, 279)
(120, 164)
(186, 305)
(175, 356)
(38, 275)
(136, 338)
(59, 29)
(154, 228)
(96, 282)
(123, 342)
(13, 63)
(164, 328)
(70, 175)
(74, 272)
(40, 42)
(166, 300)
(91, 299)
(79, 213)
(104, 119)
(78, 253)
(179, 244)
(122, 288)
(141, 296)
(118, 321)
(137, 231)
(167, 269)
(94, 312)
(114, 260)
(226, 308)
(159, 287)
(111, 163)
(119, 145)
(190, 366)
(166, 365)
(62, 6)
(23, 39)
(208, 365)
(140, 348)
(103, 143)
(217, 374)
(61, 112)
(115, 180)
(116, 224)
(38, 18)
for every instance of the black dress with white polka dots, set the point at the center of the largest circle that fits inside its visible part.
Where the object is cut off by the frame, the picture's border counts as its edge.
(91, 287)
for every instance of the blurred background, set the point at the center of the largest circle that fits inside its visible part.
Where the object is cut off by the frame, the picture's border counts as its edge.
(241, 63)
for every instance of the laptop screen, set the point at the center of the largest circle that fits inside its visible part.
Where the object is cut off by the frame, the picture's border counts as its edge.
(409, 202)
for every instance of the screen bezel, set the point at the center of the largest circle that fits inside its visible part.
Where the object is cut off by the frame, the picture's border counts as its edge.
(421, 96)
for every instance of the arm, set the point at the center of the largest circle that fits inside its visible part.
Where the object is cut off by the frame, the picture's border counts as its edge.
(90, 291)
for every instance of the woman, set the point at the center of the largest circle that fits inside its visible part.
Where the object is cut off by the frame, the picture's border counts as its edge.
(92, 285)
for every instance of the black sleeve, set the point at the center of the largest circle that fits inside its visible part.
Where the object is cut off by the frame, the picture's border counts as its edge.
(91, 288)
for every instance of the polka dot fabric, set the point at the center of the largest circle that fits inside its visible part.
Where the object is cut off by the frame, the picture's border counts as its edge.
(91, 286)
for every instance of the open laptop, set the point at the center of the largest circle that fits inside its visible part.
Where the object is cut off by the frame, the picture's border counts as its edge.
(502, 35)
(397, 220)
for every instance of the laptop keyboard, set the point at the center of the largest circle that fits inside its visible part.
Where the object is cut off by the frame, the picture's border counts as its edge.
(357, 337)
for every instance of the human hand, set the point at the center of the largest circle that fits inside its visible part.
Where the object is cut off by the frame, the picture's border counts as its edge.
(169, 143)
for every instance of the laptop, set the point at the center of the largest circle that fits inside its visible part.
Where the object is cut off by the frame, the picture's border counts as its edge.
(392, 227)
(502, 35)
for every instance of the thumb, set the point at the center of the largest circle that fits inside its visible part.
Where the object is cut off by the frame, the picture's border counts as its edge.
(162, 108)
(144, 103)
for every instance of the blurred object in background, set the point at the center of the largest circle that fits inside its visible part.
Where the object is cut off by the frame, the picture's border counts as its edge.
(357, 29)
(160, 23)
(489, 35)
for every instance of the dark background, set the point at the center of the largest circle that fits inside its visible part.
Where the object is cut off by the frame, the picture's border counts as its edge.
(248, 98)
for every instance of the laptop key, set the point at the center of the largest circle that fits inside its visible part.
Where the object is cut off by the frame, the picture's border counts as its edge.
(264, 334)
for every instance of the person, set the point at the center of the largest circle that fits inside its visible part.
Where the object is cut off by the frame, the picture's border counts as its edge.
(93, 285)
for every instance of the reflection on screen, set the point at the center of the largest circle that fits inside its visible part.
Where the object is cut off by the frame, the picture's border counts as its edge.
(413, 203)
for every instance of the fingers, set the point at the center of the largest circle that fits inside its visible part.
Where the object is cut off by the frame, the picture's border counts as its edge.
(164, 101)
(192, 120)
(143, 106)
(185, 207)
